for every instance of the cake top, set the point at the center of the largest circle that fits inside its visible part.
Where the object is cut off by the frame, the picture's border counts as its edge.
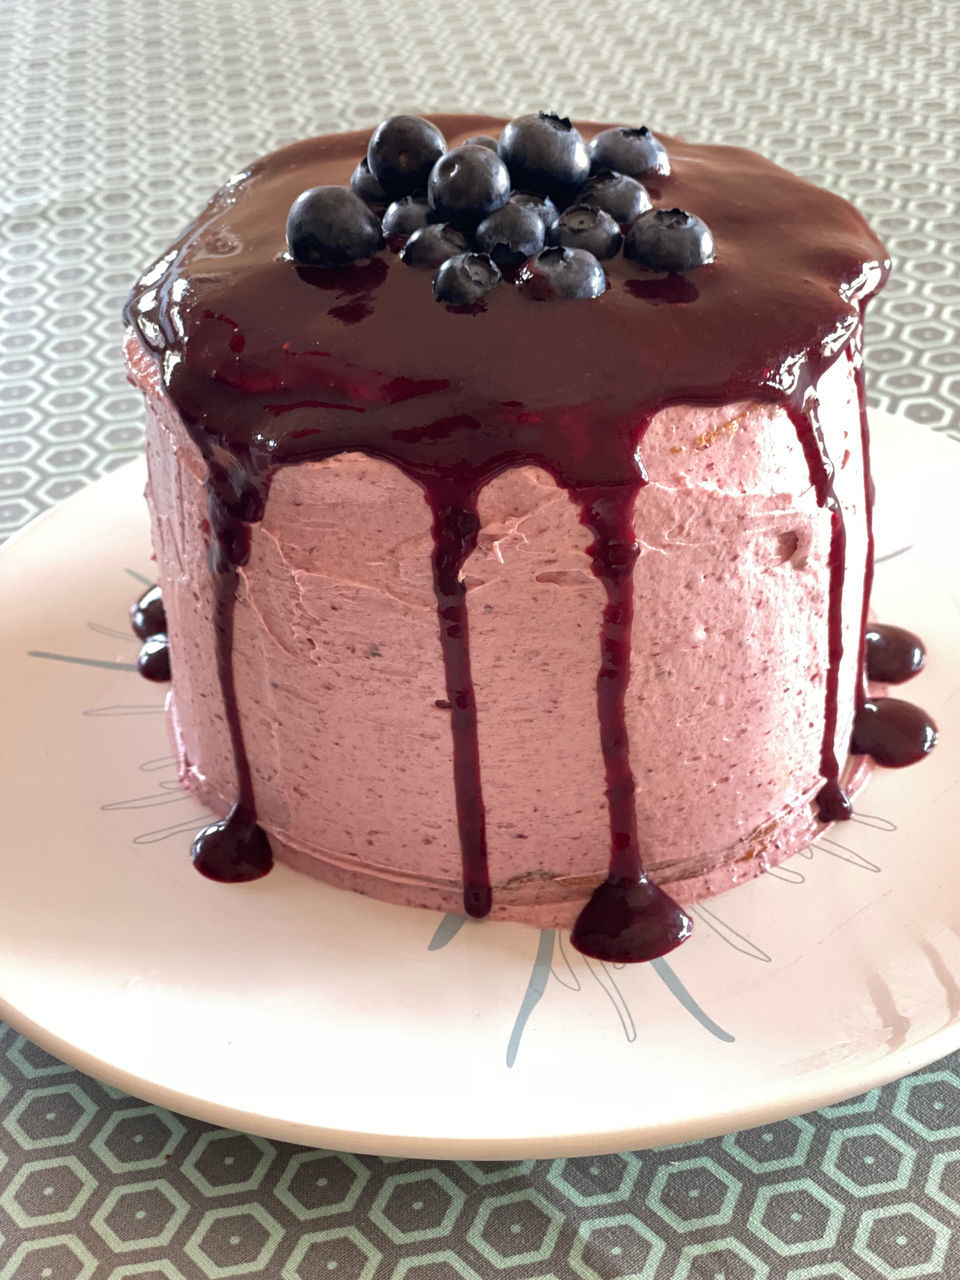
(280, 361)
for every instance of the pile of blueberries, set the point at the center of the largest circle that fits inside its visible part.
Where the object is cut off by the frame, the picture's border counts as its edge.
(538, 204)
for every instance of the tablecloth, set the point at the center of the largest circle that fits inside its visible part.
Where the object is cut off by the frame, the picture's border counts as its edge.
(118, 119)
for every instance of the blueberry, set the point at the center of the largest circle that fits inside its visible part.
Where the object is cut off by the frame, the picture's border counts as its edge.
(564, 273)
(511, 235)
(543, 206)
(583, 227)
(622, 197)
(402, 152)
(545, 153)
(432, 245)
(407, 215)
(669, 240)
(465, 279)
(330, 226)
(365, 185)
(466, 184)
(481, 140)
(630, 151)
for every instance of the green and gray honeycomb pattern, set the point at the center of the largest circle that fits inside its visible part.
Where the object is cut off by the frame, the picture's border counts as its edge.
(119, 118)
(95, 1185)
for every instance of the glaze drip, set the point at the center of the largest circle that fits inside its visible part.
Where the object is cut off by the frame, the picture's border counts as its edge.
(833, 803)
(269, 366)
(856, 356)
(893, 732)
(153, 660)
(893, 655)
(147, 614)
(235, 848)
(148, 621)
(455, 529)
(627, 916)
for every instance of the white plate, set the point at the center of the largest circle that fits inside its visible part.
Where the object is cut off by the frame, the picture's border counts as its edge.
(300, 1012)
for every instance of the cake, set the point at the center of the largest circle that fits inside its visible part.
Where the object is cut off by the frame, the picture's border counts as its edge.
(513, 542)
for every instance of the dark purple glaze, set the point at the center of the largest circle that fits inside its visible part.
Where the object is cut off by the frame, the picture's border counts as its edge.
(833, 804)
(455, 529)
(893, 655)
(893, 732)
(269, 365)
(630, 919)
(147, 616)
(856, 354)
(153, 660)
(234, 849)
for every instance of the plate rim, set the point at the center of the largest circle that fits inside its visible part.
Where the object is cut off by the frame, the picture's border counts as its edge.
(410, 1146)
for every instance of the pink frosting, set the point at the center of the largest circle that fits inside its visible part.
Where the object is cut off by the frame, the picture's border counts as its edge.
(341, 687)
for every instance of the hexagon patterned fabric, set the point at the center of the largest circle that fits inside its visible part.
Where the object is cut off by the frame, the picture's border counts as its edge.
(119, 118)
(95, 1183)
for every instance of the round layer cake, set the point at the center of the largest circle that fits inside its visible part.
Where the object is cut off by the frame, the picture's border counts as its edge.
(496, 605)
